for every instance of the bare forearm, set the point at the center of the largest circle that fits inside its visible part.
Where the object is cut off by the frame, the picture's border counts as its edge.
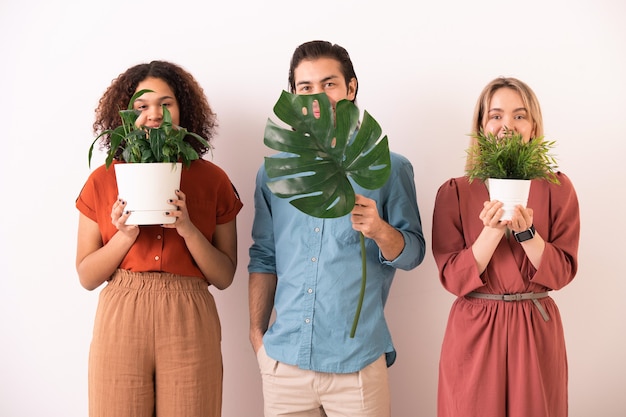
(217, 266)
(390, 241)
(261, 291)
(99, 265)
(366, 219)
(485, 245)
(534, 249)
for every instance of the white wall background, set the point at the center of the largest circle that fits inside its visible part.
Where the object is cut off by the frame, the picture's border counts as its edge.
(421, 66)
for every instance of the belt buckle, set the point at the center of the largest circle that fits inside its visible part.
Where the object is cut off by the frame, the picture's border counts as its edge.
(512, 297)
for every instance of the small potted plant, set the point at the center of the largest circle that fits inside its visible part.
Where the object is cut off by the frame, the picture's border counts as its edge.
(507, 164)
(154, 156)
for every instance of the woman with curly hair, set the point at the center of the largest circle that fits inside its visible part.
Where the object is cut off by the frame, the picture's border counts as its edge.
(156, 343)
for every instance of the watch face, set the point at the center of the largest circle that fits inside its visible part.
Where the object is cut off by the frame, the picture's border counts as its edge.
(525, 235)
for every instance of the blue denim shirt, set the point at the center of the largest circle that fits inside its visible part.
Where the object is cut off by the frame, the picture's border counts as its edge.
(318, 265)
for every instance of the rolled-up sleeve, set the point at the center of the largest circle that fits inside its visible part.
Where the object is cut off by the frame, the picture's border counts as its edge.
(400, 210)
(263, 251)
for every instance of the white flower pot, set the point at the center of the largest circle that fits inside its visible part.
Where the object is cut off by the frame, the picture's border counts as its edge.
(147, 189)
(510, 192)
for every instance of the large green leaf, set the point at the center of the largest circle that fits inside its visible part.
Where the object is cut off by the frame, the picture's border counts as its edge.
(326, 151)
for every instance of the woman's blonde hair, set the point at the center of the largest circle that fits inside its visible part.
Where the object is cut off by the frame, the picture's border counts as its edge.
(528, 98)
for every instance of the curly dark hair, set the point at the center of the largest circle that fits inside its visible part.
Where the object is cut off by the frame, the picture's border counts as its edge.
(195, 113)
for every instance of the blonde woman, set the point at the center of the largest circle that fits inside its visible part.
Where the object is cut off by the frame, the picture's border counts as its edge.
(503, 353)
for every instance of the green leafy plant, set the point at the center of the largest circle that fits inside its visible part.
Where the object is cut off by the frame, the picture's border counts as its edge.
(165, 143)
(510, 157)
(324, 152)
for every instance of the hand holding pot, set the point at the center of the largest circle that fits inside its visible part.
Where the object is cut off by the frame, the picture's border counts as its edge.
(119, 216)
(182, 223)
(491, 215)
(521, 220)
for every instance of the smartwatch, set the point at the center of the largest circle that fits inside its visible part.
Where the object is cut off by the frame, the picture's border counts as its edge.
(525, 235)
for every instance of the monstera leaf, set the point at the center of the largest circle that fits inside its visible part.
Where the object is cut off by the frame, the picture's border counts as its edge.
(325, 154)
(325, 148)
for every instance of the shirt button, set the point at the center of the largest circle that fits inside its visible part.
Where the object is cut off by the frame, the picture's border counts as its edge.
(310, 290)
(156, 258)
(313, 259)
(317, 229)
(307, 321)
(158, 237)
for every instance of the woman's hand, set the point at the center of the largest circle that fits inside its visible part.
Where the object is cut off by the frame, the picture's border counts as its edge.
(119, 217)
(521, 220)
(217, 259)
(95, 261)
(183, 223)
(485, 245)
(491, 215)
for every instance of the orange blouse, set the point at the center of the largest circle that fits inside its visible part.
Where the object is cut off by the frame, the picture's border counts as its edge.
(211, 200)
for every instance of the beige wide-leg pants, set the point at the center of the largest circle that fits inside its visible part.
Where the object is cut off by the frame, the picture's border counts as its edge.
(156, 348)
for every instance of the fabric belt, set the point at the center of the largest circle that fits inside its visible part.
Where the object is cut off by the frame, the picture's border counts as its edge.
(534, 296)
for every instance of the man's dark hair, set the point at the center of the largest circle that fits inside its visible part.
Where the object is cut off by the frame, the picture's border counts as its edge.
(322, 49)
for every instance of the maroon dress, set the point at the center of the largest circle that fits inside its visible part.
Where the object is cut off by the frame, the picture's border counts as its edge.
(503, 359)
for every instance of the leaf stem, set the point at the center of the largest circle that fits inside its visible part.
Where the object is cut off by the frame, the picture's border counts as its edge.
(363, 282)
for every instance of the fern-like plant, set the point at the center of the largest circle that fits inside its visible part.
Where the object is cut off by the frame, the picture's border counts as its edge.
(165, 143)
(509, 157)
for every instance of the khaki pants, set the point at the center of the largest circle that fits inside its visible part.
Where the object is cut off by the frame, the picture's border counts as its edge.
(294, 392)
(156, 348)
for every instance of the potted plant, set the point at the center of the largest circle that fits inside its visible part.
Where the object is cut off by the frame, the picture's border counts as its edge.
(324, 152)
(154, 156)
(507, 164)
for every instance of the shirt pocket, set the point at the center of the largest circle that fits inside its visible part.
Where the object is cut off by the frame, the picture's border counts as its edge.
(341, 230)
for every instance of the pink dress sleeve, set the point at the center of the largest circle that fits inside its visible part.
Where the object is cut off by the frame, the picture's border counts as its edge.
(558, 223)
(451, 217)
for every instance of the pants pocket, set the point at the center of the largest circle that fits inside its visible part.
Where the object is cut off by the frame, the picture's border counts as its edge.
(267, 365)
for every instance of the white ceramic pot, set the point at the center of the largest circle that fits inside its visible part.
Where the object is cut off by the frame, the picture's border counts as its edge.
(510, 192)
(147, 189)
